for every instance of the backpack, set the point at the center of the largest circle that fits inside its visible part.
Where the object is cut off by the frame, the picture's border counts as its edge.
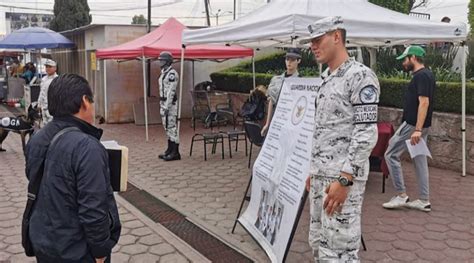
(254, 108)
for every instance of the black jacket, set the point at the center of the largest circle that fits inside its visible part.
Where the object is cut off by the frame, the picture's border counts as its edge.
(75, 218)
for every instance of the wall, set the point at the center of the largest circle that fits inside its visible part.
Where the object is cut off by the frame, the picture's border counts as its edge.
(444, 140)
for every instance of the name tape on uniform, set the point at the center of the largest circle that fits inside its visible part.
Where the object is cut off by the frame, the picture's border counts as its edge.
(365, 113)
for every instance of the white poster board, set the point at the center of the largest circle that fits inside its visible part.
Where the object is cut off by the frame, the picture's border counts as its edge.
(281, 168)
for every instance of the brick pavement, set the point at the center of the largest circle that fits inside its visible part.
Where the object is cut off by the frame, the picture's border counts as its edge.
(141, 239)
(209, 193)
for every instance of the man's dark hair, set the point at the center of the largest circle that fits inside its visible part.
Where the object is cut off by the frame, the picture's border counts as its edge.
(419, 59)
(65, 94)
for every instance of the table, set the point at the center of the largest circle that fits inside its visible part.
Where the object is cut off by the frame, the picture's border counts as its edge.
(385, 132)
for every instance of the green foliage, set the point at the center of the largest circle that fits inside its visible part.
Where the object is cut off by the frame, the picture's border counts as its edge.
(470, 60)
(447, 95)
(387, 62)
(402, 6)
(70, 14)
(439, 59)
(275, 64)
(139, 20)
(239, 81)
(470, 16)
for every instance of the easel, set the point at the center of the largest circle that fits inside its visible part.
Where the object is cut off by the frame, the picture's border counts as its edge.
(293, 230)
(298, 216)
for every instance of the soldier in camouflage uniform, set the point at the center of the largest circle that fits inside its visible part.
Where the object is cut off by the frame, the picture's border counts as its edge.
(50, 66)
(345, 133)
(292, 60)
(168, 81)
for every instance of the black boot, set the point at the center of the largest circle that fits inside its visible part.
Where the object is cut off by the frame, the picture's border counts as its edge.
(174, 154)
(168, 151)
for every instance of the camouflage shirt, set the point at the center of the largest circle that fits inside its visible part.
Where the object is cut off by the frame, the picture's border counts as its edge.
(275, 85)
(168, 82)
(345, 129)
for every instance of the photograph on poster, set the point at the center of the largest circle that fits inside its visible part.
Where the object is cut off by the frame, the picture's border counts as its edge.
(269, 217)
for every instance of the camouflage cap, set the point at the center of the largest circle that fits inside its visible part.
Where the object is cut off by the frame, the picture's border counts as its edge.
(323, 26)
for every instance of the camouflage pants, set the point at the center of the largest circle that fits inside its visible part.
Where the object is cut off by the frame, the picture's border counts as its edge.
(171, 130)
(335, 238)
(46, 117)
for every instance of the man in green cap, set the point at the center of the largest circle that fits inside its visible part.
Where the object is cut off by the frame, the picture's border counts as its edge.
(417, 113)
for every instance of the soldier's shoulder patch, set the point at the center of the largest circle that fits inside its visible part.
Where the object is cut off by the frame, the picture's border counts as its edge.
(368, 94)
(171, 76)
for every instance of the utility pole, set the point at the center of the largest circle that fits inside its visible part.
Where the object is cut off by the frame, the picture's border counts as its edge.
(235, 8)
(148, 22)
(208, 18)
(148, 64)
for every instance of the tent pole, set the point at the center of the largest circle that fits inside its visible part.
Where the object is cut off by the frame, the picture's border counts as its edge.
(373, 58)
(253, 68)
(106, 111)
(144, 96)
(181, 78)
(463, 120)
(194, 83)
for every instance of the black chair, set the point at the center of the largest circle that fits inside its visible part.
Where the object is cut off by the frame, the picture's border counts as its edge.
(200, 112)
(253, 131)
(212, 138)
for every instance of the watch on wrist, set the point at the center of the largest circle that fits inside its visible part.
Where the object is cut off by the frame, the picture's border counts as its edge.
(344, 181)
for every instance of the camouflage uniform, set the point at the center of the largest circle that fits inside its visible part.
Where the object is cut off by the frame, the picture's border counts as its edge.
(274, 87)
(344, 134)
(43, 98)
(168, 82)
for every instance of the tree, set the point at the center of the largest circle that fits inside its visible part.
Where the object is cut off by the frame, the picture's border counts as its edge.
(417, 3)
(470, 16)
(139, 20)
(70, 14)
(402, 6)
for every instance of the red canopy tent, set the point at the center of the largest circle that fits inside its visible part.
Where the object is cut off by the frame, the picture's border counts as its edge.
(168, 37)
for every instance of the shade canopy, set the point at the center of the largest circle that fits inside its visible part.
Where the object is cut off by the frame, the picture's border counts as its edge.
(168, 37)
(281, 21)
(35, 38)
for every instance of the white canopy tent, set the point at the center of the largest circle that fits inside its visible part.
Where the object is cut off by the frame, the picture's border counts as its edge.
(282, 22)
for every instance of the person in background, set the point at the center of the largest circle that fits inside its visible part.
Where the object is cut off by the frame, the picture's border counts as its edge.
(168, 83)
(292, 60)
(29, 72)
(417, 114)
(75, 216)
(51, 68)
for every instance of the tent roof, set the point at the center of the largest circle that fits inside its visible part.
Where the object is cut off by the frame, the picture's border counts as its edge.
(280, 21)
(168, 37)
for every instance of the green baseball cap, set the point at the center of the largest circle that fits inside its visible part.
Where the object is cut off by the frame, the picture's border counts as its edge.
(412, 51)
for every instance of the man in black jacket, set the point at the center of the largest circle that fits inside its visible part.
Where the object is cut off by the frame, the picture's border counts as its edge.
(75, 217)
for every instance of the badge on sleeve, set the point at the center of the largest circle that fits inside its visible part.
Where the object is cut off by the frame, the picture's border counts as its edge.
(367, 111)
(368, 94)
(172, 77)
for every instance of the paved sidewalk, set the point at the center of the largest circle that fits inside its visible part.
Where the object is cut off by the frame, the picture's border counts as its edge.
(141, 241)
(210, 192)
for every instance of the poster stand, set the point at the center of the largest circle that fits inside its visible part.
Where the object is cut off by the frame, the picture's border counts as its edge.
(293, 231)
(295, 226)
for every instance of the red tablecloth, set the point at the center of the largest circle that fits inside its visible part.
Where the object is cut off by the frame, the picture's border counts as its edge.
(385, 132)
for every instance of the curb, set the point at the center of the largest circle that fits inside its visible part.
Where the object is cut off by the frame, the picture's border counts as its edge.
(181, 246)
(212, 230)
